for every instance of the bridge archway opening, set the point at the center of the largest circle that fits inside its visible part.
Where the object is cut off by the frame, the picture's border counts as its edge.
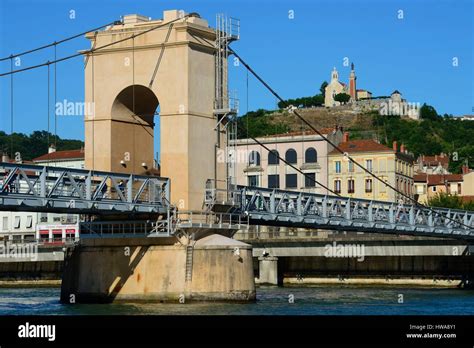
(136, 102)
(139, 104)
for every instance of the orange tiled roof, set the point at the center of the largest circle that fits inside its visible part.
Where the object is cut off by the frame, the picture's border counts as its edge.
(364, 145)
(61, 155)
(437, 179)
(435, 160)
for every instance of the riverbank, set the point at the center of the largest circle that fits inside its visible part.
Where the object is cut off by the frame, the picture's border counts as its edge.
(404, 282)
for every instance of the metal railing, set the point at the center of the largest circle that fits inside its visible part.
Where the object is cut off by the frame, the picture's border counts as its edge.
(139, 228)
(207, 219)
(310, 210)
(39, 188)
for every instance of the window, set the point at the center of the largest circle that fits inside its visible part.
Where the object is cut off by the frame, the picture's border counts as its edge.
(254, 159)
(5, 223)
(252, 180)
(338, 166)
(56, 219)
(274, 181)
(17, 222)
(29, 221)
(350, 186)
(290, 156)
(459, 188)
(310, 155)
(337, 186)
(291, 180)
(310, 180)
(350, 165)
(368, 185)
(44, 217)
(368, 165)
(420, 189)
(273, 157)
(433, 189)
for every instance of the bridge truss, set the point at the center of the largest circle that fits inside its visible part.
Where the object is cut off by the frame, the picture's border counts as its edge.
(310, 210)
(77, 191)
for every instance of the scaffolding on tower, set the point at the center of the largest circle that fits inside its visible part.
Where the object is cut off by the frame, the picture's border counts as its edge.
(226, 107)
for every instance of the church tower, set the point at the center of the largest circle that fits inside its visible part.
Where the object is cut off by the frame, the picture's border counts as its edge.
(352, 84)
(334, 75)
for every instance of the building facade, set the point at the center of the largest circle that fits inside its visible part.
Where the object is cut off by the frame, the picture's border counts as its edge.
(437, 164)
(307, 151)
(393, 166)
(427, 186)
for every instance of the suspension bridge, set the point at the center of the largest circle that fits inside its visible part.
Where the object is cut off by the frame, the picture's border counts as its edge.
(198, 118)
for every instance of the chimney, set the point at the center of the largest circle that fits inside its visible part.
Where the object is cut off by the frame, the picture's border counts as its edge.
(5, 157)
(394, 146)
(345, 137)
(402, 148)
(465, 169)
(51, 148)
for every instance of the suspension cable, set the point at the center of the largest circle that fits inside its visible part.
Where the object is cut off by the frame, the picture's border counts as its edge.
(55, 101)
(49, 109)
(11, 110)
(334, 145)
(92, 50)
(133, 101)
(58, 42)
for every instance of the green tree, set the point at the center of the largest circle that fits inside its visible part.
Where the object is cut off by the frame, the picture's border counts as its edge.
(342, 97)
(322, 89)
(35, 144)
(427, 112)
(445, 200)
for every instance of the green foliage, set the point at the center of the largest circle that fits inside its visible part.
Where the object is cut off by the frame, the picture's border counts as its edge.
(444, 200)
(322, 89)
(430, 137)
(304, 102)
(427, 112)
(35, 144)
(342, 98)
(257, 123)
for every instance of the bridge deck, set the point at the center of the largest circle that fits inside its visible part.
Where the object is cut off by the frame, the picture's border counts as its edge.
(67, 190)
(309, 210)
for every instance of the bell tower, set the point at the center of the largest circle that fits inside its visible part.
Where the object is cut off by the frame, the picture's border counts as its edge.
(352, 84)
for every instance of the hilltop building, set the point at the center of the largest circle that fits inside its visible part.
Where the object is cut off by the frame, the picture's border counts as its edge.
(362, 100)
(335, 87)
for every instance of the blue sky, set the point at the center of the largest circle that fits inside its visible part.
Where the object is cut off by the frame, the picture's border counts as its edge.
(414, 54)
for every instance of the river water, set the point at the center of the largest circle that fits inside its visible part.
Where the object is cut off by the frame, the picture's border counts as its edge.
(309, 300)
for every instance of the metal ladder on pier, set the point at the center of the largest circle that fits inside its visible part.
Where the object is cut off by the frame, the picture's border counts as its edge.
(189, 263)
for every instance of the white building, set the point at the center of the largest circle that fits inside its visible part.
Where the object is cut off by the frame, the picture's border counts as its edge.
(306, 151)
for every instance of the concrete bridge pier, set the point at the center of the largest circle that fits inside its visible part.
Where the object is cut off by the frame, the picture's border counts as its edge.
(213, 268)
(268, 266)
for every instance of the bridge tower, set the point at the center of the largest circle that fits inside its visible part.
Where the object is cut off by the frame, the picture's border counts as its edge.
(171, 68)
